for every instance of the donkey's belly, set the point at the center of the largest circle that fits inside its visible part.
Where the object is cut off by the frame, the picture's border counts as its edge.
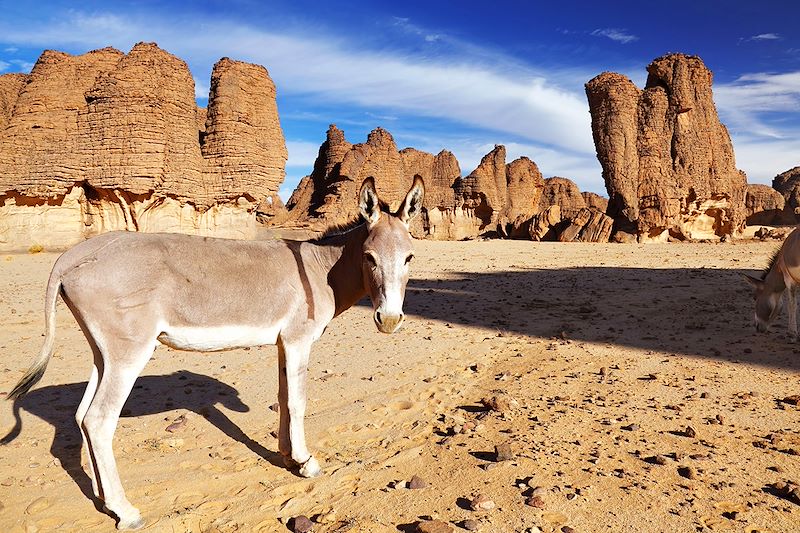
(210, 339)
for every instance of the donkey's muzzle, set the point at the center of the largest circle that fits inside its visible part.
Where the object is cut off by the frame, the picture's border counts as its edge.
(388, 323)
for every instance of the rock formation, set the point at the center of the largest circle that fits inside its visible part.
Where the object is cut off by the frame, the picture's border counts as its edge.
(595, 201)
(105, 141)
(765, 206)
(454, 207)
(667, 161)
(564, 215)
(788, 184)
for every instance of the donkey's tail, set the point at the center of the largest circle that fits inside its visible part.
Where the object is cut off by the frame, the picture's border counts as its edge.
(36, 371)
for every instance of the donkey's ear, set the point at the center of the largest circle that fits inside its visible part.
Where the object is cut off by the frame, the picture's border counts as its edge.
(412, 204)
(368, 203)
(754, 282)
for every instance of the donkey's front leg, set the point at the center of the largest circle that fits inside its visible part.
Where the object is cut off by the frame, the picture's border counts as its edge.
(292, 370)
(791, 304)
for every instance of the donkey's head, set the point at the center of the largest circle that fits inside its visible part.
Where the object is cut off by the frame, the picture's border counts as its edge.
(768, 302)
(387, 251)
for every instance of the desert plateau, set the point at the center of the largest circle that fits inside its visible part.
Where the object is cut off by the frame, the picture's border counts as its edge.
(623, 386)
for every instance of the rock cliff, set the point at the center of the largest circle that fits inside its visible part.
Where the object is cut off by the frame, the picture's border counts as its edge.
(667, 161)
(107, 140)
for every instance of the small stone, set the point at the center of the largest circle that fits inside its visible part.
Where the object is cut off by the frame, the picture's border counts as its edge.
(534, 529)
(688, 472)
(481, 502)
(690, 432)
(658, 459)
(567, 529)
(434, 526)
(535, 501)
(471, 525)
(631, 427)
(275, 407)
(326, 518)
(301, 524)
(501, 403)
(539, 491)
(417, 483)
(37, 505)
(503, 452)
(792, 400)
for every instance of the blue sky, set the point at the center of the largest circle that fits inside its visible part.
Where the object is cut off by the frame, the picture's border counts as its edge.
(457, 75)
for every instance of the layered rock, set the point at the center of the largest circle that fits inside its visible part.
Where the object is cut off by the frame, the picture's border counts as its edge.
(595, 201)
(524, 186)
(788, 184)
(562, 192)
(765, 206)
(667, 161)
(106, 141)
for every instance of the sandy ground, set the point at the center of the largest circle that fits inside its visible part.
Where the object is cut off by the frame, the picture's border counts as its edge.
(600, 357)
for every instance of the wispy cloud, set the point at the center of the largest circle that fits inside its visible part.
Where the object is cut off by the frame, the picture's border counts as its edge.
(620, 36)
(759, 103)
(515, 100)
(762, 110)
(765, 37)
(11, 49)
(4, 65)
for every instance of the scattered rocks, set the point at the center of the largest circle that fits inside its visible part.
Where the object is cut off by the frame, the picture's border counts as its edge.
(417, 482)
(503, 452)
(433, 526)
(788, 490)
(792, 400)
(502, 403)
(302, 524)
(176, 424)
(481, 502)
(535, 501)
(471, 525)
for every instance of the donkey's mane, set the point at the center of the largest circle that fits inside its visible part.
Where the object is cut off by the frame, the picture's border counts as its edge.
(772, 260)
(336, 230)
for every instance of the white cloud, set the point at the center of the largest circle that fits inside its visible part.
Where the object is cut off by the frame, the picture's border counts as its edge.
(763, 160)
(11, 49)
(494, 95)
(4, 65)
(302, 155)
(748, 103)
(201, 88)
(620, 36)
(765, 37)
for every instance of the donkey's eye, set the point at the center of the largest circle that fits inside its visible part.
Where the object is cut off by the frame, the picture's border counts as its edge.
(370, 260)
(409, 258)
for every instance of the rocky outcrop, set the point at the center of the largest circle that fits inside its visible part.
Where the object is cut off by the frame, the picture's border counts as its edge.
(564, 193)
(667, 161)
(454, 207)
(564, 215)
(107, 140)
(595, 201)
(788, 184)
(765, 206)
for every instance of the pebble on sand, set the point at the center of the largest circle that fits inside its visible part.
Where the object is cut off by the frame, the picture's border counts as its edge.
(503, 452)
(434, 526)
(301, 524)
(417, 483)
(481, 502)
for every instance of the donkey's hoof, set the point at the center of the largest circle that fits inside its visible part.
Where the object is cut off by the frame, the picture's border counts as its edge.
(136, 522)
(310, 468)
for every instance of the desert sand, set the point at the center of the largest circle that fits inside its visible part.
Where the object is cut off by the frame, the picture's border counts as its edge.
(630, 387)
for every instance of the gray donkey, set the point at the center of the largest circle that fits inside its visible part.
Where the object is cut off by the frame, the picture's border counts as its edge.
(129, 291)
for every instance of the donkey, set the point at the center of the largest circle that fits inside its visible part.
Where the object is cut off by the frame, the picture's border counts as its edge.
(129, 291)
(781, 276)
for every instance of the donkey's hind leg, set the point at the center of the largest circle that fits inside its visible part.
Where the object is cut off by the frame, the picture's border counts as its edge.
(122, 364)
(791, 304)
(88, 396)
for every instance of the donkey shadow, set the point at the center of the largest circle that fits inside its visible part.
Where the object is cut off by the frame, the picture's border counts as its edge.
(182, 390)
